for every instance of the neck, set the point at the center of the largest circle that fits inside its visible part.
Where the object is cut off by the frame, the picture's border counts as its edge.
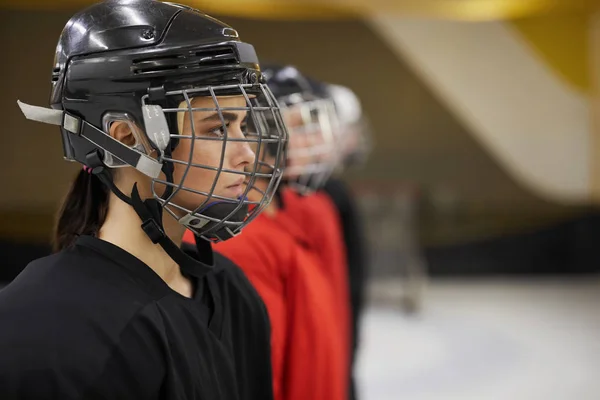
(122, 228)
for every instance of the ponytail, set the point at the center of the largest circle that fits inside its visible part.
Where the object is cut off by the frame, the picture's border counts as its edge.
(83, 210)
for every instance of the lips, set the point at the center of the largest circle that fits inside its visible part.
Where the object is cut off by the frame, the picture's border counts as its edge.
(237, 187)
(237, 183)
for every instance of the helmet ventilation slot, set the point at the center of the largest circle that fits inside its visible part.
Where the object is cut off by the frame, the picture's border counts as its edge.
(213, 57)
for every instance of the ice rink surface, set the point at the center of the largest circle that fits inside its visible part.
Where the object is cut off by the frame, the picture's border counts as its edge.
(505, 339)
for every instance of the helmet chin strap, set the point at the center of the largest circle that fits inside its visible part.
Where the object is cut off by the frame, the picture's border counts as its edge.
(149, 210)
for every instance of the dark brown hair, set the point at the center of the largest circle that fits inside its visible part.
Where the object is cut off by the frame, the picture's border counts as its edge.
(83, 210)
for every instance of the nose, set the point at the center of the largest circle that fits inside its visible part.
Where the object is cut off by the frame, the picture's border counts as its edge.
(241, 154)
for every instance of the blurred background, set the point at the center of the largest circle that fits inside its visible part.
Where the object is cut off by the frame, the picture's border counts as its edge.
(480, 196)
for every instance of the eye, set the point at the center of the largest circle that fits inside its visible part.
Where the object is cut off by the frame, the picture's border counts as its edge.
(219, 131)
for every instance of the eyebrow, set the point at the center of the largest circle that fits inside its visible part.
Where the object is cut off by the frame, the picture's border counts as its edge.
(227, 116)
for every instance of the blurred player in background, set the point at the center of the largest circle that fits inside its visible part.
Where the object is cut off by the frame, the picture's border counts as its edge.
(323, 205)
(313, 210)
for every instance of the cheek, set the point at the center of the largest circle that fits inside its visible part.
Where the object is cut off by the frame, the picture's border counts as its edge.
(205, 153)
(196, 177)
(297, 142)
(318, 138)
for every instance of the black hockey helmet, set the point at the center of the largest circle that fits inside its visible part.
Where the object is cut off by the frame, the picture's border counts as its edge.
(143, 62)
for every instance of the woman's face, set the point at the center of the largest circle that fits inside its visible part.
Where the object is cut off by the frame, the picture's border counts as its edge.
(308, 146)
(299, 143)
(235, 155)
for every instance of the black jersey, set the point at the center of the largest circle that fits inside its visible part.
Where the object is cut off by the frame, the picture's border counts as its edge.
(250, 332)
(95, 322)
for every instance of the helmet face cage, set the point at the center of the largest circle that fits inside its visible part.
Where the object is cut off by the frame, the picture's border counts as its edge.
(233, 213)
(312, 157)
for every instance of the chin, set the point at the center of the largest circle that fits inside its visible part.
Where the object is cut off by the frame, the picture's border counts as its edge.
(234, 193)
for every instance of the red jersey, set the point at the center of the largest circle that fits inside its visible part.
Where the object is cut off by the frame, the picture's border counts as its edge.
(318, 218)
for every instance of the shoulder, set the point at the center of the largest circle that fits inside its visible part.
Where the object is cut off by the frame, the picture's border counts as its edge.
(74, 279)
(71, 288)
(65, 299)
(40, 276)
(63, 350)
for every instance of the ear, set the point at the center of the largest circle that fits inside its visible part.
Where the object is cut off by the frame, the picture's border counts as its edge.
(121, 131)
